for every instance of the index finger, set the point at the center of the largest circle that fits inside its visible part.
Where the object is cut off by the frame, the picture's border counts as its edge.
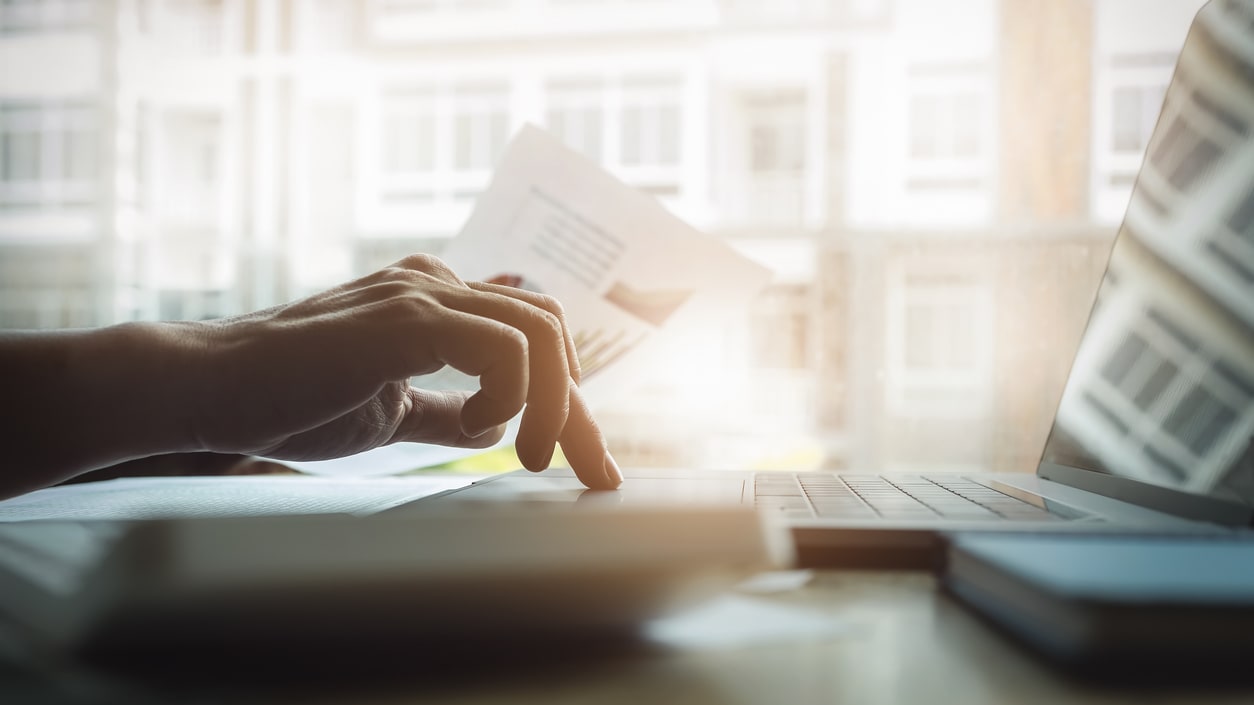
(584, 446)
(548, 303)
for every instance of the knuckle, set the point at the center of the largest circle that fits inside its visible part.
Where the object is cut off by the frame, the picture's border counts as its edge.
(552, 324)
(427, 264)
(514, 342)
(394, 275)
(551, 304)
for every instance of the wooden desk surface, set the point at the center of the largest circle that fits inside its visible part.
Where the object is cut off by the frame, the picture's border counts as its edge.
(903, 642)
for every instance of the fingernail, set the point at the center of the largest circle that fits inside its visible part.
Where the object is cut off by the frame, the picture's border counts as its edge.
(613, 475)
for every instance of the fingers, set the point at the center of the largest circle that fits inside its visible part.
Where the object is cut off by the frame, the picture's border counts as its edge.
(584, 446)
(519, 346)
(547, 303)
(548, 398)
(436, 417)
(494, 352)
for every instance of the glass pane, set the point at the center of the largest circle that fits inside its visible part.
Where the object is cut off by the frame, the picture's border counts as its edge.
(923, 142)
(668, 135)
(966, 125)
(21, 156)
(632, 122)
(1126, 120)
(80, 153)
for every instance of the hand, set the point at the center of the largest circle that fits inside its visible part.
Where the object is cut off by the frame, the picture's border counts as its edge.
(328, 376)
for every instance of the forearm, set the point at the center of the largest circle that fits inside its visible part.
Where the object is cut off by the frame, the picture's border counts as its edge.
(85, 399)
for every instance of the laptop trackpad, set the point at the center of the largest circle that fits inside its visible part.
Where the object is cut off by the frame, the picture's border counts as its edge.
(636, 491)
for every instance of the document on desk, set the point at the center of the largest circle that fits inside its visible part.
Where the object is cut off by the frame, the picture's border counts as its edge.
(243, 496)
(628, 273)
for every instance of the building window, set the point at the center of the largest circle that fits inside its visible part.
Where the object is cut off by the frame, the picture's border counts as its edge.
(44, 15)
(944, 126)
(939, 344)
(576, 114)
(650, 123)
(327, 25)
(776, 132)
(409, 133)
(949, 126)
(195, 25)
(1128, 92)
(1130, 97)
(191, 185)
(769, 187)
(630, 125)
(440, 144)
(1133, 112)
(48, 155)
(781, 328)
(480, 126)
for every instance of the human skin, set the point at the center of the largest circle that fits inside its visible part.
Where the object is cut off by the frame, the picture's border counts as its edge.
(319, 378)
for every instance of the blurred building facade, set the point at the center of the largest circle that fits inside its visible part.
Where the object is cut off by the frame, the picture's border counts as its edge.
(935, 185)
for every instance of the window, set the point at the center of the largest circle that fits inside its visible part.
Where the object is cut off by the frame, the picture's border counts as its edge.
(480, 127)
(191, 185)
(1134, 110)
(650, 122)
(41, 15)
(948, 145)
(326, 25)
(576, 114)
(776, 132)
(409, 132)
(631, 125)
(48, 155)
(781, 328)
(1128, 92)
(944, 126)
(191, 305)
(440, 143)
(195, 25)
(768, 189)
(940, 340)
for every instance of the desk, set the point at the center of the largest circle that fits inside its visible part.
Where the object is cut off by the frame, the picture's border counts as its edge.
(904, 643)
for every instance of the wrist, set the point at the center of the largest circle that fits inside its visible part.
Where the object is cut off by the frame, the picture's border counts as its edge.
(79, 400)
(142, 381)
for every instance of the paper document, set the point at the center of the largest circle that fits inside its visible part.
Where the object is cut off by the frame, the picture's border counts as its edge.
(628, 273)
(263, 495)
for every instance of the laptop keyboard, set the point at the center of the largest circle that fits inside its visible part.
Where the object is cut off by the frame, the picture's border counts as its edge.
(895, 498)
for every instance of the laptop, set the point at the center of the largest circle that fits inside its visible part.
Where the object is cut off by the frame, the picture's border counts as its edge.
(1155, 429)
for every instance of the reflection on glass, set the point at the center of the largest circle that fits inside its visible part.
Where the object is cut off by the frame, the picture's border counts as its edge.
(1162, 390)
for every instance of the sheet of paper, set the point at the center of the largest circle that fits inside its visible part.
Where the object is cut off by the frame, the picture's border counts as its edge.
(628, 273)
(176, 497)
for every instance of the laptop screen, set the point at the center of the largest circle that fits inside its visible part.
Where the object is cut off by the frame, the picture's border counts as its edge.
(1162, 387)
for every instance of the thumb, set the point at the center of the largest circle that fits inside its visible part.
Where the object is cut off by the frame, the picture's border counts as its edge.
(435, 417)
